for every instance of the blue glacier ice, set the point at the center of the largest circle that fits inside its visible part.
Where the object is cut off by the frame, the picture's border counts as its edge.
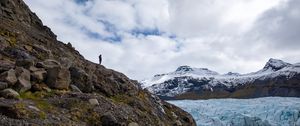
(268, 111)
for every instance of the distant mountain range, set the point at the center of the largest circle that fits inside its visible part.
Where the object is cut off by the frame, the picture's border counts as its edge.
(277, 78)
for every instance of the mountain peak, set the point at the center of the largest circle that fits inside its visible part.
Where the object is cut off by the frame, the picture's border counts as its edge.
(184, 68)
(232, 74)
(275, 64)
(198, 71)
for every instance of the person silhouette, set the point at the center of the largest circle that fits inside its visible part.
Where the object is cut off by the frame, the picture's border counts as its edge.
(100, 59)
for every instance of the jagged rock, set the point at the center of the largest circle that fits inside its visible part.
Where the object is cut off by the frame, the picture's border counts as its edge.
(33, 69)
(23, 83)
(17, 53)
(109, 120)
(58, 78)
(81, 79)
(177, 123)
(26, 63)
(3, 85)
(93, 101)
(41, 51)
(5, 65)
(9, 93)
(75, 88)
(9, 77)
(65, 62)
(133, 124)
(48, 64)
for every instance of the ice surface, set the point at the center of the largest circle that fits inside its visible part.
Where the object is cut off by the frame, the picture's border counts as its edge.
(268, 111)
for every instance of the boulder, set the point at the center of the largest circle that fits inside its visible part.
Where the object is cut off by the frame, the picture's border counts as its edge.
(3, 85)
(9, 77)
(109, 120)
(81, 79)
(23, 83)
(26, 63)
(48, 64)
(9, 93)
(93, 101)
(58, 78)
(39, 75)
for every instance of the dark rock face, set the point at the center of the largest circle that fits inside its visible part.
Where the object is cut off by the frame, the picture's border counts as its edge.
(184, 68)
(81, 79)
(56, 84)
(58, 78)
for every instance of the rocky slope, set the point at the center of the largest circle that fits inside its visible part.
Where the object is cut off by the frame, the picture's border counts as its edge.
(277, 78)
(46, 82)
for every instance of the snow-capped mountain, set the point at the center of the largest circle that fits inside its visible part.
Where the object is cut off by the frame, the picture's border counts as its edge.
(277, 78)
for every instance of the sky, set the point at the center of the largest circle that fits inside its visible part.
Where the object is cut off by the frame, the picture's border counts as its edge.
(142, 38)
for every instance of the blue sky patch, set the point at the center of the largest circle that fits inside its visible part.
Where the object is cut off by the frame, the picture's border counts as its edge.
(81, 1)
(146, 32)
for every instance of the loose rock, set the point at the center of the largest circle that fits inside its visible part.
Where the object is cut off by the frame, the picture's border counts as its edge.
(9, 77)
(133, 124)
(9, 93)
(75, 88)
(93, 101)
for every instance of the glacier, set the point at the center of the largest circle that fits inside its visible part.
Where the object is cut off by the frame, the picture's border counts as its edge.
(267, 111)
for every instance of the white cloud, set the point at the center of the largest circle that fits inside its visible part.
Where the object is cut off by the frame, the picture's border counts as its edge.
(220, 35)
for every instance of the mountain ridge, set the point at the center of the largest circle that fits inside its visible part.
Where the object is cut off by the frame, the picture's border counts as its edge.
(199, 80)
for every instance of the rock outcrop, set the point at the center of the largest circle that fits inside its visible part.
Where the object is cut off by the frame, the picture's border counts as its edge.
(46, 82)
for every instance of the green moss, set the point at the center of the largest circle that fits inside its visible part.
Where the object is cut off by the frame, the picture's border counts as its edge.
(120, 99)
(12, 41)
(37, 98)
(42, 115)
(10, 36)
(37, 95)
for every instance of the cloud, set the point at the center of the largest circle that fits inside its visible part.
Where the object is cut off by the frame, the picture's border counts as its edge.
(141, 38)
(280, 26)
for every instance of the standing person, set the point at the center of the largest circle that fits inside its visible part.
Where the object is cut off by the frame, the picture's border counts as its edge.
(100, 59)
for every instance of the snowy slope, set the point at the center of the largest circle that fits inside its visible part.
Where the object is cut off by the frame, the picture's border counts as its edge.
(184, 79)
(274, 111)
